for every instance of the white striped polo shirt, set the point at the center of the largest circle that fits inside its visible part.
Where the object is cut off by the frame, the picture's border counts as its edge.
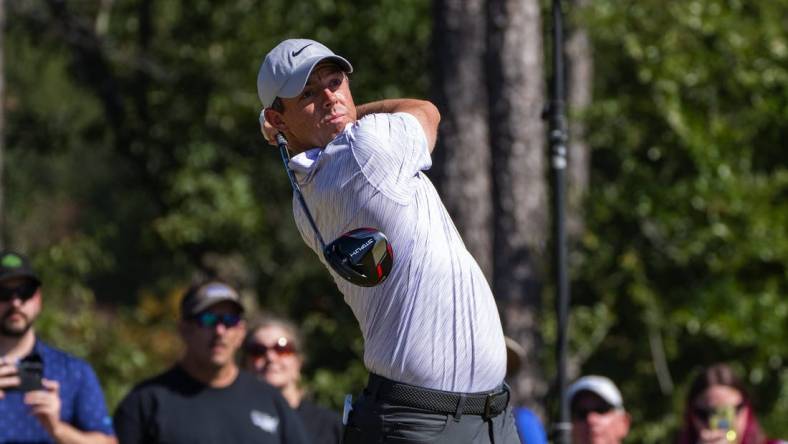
(433, 323)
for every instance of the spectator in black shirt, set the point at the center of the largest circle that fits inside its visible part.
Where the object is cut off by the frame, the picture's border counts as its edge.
(205, 397)
(273, 349)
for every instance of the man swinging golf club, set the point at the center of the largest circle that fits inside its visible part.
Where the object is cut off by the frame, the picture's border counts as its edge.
(434, 345)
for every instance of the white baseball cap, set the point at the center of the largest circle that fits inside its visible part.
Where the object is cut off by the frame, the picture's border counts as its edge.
(206, 295)
(598, 385)
(287, 67)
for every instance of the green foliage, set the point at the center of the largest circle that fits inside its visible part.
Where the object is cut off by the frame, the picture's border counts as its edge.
(123, 347)
(687, 212)
(134, 163)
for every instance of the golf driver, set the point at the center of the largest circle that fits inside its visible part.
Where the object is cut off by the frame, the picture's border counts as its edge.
(362, 256)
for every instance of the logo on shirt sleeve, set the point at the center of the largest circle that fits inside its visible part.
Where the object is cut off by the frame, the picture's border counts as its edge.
(264, 421)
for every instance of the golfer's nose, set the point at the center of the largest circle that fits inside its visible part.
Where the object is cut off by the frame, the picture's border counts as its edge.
(329, 98)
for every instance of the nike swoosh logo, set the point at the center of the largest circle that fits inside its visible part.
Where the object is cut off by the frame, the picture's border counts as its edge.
(295, 53)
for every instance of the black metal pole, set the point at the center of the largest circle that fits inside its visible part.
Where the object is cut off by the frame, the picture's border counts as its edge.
(558, 138)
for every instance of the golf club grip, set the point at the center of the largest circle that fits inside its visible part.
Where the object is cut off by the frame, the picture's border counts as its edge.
(281, 141)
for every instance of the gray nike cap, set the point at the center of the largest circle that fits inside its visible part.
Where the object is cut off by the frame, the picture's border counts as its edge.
(287, 67)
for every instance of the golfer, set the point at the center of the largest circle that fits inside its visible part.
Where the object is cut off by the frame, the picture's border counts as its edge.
(434, 346)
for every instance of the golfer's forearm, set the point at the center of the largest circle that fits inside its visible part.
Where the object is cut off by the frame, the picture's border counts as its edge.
(389, 106)
(425, 112)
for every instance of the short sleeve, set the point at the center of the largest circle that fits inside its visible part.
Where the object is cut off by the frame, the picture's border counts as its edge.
(391, 149)
(91, 414)
(128, 420)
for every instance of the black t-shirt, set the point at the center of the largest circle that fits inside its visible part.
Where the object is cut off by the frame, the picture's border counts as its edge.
(175, 408)
(324, 425)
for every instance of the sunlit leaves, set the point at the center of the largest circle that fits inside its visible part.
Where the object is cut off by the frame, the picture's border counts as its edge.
(688, 202)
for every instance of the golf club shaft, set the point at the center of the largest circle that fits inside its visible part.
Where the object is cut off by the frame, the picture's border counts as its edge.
(281, 142)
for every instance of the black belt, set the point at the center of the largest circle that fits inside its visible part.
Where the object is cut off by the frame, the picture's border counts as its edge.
(486, 404)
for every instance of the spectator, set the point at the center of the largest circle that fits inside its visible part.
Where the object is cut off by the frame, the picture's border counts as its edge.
(205, 397)
(273, 349)
(433, 341)
(529, 426)
(719, 411)
(598, 415)
(59, 398)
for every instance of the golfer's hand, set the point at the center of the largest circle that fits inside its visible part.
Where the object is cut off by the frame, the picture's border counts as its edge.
(8, 376)
(45, 405)
(268, 131)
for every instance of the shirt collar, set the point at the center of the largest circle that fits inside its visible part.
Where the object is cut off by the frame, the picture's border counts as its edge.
(303, 161)
(38, 353)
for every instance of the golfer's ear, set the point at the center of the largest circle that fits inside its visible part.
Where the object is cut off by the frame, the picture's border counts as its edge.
(622, 426)
(275, 119)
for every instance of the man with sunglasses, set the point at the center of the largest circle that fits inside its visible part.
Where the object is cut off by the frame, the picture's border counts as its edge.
(46, 395)
(433, 341)
(598, 415)
(205, 397)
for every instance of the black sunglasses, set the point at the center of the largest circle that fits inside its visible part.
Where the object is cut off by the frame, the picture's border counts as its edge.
(581, 413)
(705, 413)
(282, 347)
(23, 291)
(207, 319)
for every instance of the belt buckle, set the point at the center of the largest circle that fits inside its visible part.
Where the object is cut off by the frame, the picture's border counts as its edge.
(488, 402)
(488, 405)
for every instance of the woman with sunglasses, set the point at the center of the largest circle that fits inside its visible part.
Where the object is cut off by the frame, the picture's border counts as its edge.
(273, 350)
(719, 411)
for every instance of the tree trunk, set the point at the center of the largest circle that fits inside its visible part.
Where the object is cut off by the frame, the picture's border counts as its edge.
(580, 73)
(580, 77)
(97, 74)
(462, 158)
(517, 136)
(2, 124)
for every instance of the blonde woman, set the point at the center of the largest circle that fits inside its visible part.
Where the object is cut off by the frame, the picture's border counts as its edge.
(273, 350)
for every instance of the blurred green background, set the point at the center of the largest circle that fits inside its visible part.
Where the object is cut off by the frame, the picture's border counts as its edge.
(133, 162)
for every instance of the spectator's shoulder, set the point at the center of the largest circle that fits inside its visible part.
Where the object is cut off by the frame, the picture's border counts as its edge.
(150, 389)
(169, 378)
(249, 381)
(58, 358)
(249, 384)
(50, 352)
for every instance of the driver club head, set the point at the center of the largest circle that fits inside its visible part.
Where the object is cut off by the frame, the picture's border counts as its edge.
(363, 256)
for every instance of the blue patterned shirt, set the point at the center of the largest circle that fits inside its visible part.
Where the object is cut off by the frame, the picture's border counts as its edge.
(82, 401)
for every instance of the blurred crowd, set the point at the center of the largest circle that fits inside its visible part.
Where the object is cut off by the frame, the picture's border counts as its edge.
(239, 380)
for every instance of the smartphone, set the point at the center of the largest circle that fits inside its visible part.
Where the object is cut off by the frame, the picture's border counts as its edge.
(723, 419)
(30, 373)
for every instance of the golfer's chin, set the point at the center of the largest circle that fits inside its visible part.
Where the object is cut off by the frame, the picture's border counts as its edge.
(333, 129)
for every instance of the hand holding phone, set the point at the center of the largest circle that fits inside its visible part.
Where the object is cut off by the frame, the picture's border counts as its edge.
(8, 376)
(45, 404)
(723, 419)
(30, 374)
(22, 376)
